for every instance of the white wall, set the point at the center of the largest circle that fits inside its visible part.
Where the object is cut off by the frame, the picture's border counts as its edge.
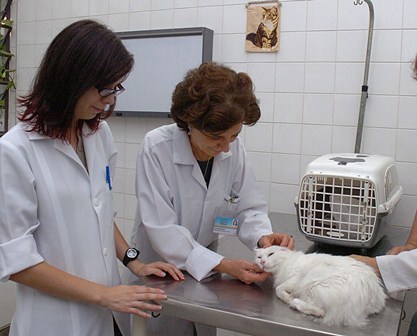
(309, 90)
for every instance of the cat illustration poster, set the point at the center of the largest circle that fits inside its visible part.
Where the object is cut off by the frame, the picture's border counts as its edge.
(262, 26)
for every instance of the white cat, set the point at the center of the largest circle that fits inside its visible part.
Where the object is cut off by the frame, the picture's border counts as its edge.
(339, 290)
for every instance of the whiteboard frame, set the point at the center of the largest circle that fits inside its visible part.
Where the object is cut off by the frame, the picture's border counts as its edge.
(206, 56)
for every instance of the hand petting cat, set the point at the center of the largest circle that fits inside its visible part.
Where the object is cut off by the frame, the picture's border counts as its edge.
(243, 270)
(280, 239)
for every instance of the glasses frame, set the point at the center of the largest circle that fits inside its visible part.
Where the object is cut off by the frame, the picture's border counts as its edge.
(105, 92)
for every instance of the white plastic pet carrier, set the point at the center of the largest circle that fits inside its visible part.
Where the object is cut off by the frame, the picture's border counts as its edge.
(346, 199)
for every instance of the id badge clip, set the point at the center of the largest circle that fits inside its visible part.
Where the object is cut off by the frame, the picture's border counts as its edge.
(225, 223)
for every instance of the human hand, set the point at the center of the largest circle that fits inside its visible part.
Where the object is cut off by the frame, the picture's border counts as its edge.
(132, 299)
(243, 270)
(367, 260)
(280, 239)
(158, 268)
(403, 248)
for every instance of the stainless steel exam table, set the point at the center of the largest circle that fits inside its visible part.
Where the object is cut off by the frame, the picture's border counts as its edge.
(227, 303)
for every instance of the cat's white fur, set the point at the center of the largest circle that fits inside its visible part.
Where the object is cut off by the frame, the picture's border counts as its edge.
(337, 289)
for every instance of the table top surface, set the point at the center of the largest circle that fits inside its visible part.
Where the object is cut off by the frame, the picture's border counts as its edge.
(254, 309)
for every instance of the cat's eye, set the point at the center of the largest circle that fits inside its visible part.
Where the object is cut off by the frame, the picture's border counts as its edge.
(270, 254)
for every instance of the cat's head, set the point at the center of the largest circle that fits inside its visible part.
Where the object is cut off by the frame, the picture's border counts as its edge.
(270, 259)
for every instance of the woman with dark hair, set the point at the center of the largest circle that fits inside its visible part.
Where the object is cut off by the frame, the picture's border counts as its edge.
(194, 182)
(58, 239)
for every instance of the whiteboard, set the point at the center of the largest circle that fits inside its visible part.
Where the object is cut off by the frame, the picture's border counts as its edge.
(162, 58)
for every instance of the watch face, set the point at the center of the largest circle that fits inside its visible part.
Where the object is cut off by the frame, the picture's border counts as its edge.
(131, 253)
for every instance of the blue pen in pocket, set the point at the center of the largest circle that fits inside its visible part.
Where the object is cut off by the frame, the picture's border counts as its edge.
(108, 177)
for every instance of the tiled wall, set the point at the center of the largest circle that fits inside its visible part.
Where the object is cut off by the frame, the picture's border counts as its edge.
(309, 91)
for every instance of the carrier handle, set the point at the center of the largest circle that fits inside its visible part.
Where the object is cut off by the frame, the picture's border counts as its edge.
(388, 206)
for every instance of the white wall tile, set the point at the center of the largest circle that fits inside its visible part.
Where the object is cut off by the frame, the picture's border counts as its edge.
(162, 4)
(404, 211)
(343, 139)
(294, 16)
(61, 9)
(132, 151)
(351, 46)
(266, 104)
(409, 50)
(378, 75)
(406, 145)
(288, 107)
(139, 20)
(380, 141)
(185, 3)
(185, 17)
(26, 11)
(230, 24)
(130, 182)
(346, 109)
(381, 111)
(289, 77)
(349, 78)
(321, 15)
(26, 32)
(316, 140)
(118, 182)
(405, 170)
(409, 18)
(263, 76)
(318, 109)
(162, 19)
(286, 138)
(211, 17)
(79, 8)
(321, 46)
(119, 22)
(380, 41)
(130, 203)
(43, 9)
(210, 2)
(407, 116)
(319, 77)
(285, 168)
(259, 137)
(26, 55)
(139, 5)
(233, 49)
(292, 47)
(261, 165)
(389, 14)
(118, 6)
(408, 85)
(351, 17)
(282, 198)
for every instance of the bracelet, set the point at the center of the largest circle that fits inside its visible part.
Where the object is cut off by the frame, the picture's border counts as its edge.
(415, 246)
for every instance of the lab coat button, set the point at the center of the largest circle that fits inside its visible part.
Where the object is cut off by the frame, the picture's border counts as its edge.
(96, 202)
(105, 252)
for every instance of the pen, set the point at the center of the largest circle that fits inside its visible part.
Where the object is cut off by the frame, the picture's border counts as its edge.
(108, 178)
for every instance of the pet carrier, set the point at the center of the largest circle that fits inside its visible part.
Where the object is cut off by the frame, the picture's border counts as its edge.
(346, 199)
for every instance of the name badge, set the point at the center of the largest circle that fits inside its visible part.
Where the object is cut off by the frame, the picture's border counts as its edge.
(226, 225)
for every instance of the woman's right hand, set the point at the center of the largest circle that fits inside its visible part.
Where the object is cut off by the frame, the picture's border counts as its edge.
(243, 270)
(138, 300)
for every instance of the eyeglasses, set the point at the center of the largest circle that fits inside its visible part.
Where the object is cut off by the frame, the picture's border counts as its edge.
(108, 92)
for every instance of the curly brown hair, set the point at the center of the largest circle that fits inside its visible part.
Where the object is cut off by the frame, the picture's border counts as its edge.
(213, 98)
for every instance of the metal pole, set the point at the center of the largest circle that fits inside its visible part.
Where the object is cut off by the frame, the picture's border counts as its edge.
(364, 94)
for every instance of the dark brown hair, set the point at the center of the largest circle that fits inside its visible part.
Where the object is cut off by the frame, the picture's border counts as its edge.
(213, 98)
(83, 55)
(415, 68)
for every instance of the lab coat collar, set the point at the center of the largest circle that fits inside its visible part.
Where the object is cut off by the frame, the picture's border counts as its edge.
(183, 153)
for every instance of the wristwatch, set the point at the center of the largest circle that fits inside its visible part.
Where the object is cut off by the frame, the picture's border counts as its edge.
(131, 254)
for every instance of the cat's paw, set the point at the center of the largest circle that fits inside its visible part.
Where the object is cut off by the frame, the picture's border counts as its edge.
(306, 308)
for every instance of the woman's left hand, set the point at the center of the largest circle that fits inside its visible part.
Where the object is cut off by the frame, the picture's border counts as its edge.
(280, 239)
(158, 268)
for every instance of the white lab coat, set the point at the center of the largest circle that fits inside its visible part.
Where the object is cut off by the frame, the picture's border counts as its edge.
(399, 272)
(176, 212)
(53, 210)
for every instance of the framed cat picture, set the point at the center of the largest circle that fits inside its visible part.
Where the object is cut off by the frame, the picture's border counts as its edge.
(263, 26)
